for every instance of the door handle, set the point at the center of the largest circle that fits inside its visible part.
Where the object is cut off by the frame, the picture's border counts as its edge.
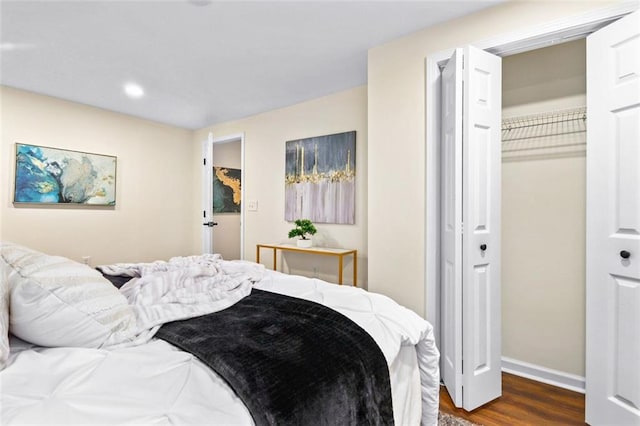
(625, 254)
(483, 247)
(210, 224)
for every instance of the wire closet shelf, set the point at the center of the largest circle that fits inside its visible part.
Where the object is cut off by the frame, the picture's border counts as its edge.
(554, 129)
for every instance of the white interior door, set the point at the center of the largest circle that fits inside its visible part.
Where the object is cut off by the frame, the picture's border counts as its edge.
(613, 224)
(451, 228)
(470, 227)
(481, 323)
(207, 195)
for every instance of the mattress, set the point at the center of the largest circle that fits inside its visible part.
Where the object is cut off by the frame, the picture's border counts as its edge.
(149, 384)
(156, 383)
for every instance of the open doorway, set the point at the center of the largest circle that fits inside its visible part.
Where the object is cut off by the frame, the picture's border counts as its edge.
(543, 213)
(227, 196)
(222, 197)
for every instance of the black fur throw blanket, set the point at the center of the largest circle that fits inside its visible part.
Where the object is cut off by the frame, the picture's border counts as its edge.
(291, 361)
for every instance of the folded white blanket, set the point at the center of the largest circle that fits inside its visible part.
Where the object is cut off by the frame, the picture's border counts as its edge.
(182, 288)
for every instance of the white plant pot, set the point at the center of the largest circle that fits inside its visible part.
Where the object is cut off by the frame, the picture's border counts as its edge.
(304, 243)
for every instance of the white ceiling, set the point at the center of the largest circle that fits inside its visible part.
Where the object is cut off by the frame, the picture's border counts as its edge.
(202, 62)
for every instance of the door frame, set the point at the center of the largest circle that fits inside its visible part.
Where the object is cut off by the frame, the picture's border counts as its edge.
(207, 186)
(561, 30)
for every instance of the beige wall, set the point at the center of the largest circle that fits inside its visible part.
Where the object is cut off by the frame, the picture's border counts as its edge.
(544, 80)
(543, 213)
(265, 137)
(153, 213)
(226, 235)
(396, 121)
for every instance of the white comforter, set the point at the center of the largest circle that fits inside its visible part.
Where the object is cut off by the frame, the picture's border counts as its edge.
(155, 383)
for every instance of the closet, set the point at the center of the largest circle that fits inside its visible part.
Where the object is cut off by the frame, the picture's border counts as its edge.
(565, 260)
(543, 209)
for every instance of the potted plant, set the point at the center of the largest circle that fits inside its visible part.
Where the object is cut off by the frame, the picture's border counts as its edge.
(304, 229)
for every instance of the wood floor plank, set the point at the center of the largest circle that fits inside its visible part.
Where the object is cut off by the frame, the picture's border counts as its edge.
(523, 402)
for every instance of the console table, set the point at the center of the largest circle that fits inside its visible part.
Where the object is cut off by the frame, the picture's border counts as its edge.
(326, 251)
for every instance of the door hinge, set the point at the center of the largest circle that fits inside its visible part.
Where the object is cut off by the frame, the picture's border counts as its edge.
(204, 214)
(204, 161)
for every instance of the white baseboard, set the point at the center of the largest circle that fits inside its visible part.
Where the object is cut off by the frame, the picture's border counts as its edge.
(543, 374)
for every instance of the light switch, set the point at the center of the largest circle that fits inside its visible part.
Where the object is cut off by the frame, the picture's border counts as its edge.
(252, 205)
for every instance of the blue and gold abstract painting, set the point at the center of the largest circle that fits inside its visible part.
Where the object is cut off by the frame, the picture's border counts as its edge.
(59, 176)
(227, 192)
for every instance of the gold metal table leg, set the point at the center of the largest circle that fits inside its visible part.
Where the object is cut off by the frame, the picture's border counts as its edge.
(274, 259)
(355, 268)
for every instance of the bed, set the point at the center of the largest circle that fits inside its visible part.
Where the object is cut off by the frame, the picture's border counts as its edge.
(73, 350)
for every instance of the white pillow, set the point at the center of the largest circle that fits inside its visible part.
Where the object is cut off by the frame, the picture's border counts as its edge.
(4, 314)
(55, 301)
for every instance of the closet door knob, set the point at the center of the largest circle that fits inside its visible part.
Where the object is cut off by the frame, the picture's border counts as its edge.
(483, 247)
(625, 254)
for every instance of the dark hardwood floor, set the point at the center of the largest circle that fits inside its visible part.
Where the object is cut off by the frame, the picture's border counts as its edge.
(523, 402)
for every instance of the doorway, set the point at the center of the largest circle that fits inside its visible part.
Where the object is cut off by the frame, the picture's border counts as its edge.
(543, 212)
(223, 209)
(227, 172)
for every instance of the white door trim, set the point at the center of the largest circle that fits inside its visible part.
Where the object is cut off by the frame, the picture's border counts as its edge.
(206, 231)
(561, 30)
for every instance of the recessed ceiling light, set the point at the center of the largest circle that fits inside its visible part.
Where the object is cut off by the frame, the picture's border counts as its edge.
(201, 2)
(133, 90)
(16, 46)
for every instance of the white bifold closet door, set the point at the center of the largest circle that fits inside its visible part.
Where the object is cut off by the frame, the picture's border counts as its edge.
(613, 224)
(470, 230)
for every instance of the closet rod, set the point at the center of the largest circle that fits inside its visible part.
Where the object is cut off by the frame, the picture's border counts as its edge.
(553, 117)
(532, 148)
(540, 136)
